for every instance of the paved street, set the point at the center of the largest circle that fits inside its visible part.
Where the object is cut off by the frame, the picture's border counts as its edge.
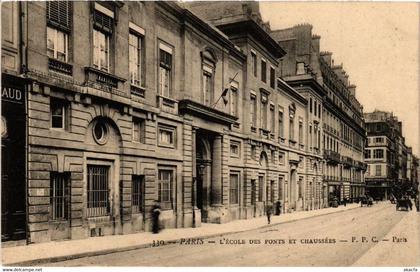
(327, 240)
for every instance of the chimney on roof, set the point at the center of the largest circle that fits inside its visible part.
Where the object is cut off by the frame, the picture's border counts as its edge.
(327, 57)
(315, 43)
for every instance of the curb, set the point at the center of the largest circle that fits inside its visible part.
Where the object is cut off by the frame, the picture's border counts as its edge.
(147, 245)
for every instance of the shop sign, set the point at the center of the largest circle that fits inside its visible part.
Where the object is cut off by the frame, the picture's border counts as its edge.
(12, 94)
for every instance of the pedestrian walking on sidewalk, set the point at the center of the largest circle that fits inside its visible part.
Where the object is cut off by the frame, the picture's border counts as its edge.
(155, 217)
(269, 211)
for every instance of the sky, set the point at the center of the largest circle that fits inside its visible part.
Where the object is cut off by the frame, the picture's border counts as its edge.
(378, 44)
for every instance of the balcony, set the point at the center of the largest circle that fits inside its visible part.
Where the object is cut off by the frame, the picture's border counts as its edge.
(137, 91)
(332, 156)
(264, 133)
(59, 66)
(347, 161)
(104, 81)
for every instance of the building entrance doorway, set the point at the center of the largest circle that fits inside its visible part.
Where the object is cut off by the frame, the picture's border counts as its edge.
(293, 189)
(203, 175)
(13, 180)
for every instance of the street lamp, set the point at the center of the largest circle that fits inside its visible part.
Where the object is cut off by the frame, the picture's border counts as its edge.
(200, 173)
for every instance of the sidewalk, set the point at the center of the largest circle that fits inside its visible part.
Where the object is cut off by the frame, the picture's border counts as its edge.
(64, 250)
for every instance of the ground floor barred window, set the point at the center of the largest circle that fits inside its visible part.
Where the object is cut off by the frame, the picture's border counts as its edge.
(98, 203)
(137, 193)
(59, 195)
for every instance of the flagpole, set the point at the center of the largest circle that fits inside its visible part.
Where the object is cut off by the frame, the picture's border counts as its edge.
(225, 89)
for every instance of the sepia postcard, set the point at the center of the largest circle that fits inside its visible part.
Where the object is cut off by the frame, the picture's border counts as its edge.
(210, 134)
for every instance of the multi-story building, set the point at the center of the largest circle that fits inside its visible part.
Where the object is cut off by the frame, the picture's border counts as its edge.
(292, 130)
(121, 106)
(336, 117)
(386, 154)
(110, 106)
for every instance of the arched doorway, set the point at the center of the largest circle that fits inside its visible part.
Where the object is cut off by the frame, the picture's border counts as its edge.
(102, 187)
(203, 175)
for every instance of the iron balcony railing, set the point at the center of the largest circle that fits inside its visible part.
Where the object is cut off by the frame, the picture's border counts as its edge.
(331, 156)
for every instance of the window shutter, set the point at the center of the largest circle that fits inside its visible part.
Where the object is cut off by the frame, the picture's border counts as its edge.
(59, 14)
(103, 22)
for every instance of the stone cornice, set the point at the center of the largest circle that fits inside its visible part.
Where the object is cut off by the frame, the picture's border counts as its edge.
(197, 109)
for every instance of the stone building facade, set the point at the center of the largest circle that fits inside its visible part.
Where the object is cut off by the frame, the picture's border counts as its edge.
(338, 128)
(127, 103)
(387, 155)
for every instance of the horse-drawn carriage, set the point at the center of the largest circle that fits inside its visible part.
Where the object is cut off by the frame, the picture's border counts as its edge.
(404, 203)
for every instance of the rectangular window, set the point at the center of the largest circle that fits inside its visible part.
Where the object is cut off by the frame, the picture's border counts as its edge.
(263, 71)
(165, 71)
(139, 131)
(207, 84)
(57, 44)
(272, 77)
(137, 193)
(291, 129)
(260, 188)
(319, 139)
(135, 58)
(282, 158)
(166, 181)
(310, 104)
(166, 135)
(253, 110)
(101, 50)
(379, 140)
(234, 98)
(58, 111)
(98, 203)
(254, 63)
(310, 136)
(315, 107)
(300, 132)
(234, 188)
(272, 119)
(264, 102)
(235, 149)
(281, 124)
(59, 195)
(378, 153)
(367, 154)
(378, 170)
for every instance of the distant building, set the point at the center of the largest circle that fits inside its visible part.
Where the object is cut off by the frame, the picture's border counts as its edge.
(386, 154)
(335, 116)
